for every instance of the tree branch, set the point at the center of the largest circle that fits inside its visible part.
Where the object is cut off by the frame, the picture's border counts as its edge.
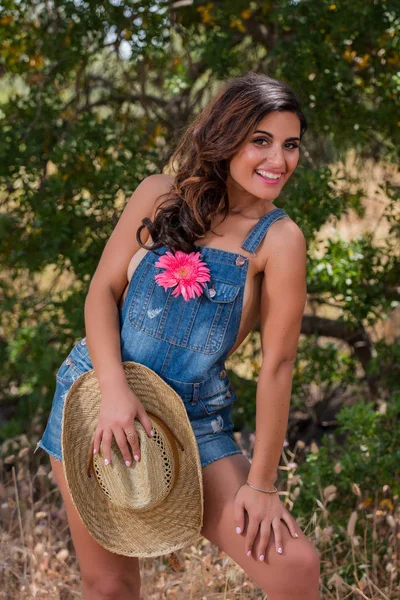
(356, 337)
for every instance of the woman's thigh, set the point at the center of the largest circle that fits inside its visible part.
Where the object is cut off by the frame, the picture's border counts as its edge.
(292, 574)
(101, 570)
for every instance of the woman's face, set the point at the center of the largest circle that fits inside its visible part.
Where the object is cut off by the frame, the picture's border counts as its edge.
(268, 157)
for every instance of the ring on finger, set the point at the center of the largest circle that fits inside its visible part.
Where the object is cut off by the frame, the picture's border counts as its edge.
(130, 436)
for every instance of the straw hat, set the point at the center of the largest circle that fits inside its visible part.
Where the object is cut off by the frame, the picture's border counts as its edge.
(154, 506)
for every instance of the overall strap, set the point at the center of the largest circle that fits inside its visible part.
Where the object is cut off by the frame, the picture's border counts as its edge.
(260, 229)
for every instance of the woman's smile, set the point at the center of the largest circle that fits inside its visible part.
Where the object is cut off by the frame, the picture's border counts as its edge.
(269, 177)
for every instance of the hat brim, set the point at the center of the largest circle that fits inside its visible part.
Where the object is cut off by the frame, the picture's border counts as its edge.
(171, 525)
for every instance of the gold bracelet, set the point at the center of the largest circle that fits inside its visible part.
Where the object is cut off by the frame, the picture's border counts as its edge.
(260, 490)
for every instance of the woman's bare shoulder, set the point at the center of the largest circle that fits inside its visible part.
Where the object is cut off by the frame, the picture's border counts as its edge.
(158, 183)
(122, 244)
(284, 238)
(285, 233)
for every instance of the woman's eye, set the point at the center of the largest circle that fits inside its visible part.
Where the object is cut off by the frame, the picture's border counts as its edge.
(289, 145)
(257, 140)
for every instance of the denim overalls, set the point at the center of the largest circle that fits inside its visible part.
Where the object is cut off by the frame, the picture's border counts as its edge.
(185, 342)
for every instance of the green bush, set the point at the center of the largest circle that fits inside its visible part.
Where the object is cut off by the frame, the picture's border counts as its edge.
(365, 450)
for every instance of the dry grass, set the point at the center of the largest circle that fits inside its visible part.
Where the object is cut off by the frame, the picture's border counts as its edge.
(372, 175)
(38, 559)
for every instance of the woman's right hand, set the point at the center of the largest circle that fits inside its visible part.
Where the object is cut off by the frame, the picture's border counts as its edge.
(118, 410)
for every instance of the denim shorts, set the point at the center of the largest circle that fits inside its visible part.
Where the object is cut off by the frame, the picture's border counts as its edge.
(208, 405)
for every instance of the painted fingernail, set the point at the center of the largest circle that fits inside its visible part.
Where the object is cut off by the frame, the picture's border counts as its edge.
(296, 535)
(106, 461)
(94, 450)
(136, 457)
(152, 433)
(249, 553)
(238, 530)
(262, 557)
(127, 462)
(280, 550)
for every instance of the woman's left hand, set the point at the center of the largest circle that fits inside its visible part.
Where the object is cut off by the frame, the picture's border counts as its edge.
(264, 511)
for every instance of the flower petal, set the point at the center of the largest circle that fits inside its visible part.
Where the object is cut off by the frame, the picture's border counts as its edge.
(184, 270)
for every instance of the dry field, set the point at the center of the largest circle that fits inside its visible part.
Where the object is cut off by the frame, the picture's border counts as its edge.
(37, 558)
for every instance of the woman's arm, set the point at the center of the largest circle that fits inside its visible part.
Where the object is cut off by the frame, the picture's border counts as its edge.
(110, 279)
(283, 298)
(118, 406)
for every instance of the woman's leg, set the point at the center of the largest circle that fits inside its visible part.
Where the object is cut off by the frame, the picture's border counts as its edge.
(292, 574)
(105, 575)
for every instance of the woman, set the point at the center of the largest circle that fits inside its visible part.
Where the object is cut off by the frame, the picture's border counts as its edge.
(231, 163)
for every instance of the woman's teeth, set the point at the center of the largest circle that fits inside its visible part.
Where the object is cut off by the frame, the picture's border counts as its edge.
(268, 175)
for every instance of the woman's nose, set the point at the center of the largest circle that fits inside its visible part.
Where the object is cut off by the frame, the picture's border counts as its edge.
(276, 158)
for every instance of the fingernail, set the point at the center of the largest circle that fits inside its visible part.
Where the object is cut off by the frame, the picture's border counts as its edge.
(280, 550)
(106, 461)
(94, 450)
(249, 553)
(296, 535)
(127, 462)
(262, 557)
(238, 530)
(136, 457)
(152, 433)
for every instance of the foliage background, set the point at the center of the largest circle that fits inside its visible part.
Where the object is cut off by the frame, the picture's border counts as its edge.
(93, 97)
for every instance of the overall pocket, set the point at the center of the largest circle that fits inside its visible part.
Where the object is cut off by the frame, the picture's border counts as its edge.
(221, 399)
(74, 365)
(199, 324)
(215, 314)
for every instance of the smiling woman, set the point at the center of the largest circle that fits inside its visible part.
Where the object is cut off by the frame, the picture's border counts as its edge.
(182, 317)
(218, 155)
(213, 196)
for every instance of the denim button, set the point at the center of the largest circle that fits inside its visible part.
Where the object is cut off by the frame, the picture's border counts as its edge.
(68, 361)
(240, 261)
(228, 394)
(193, 403)
(222, 373)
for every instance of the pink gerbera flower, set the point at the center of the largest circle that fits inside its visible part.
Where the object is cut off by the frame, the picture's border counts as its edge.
(187, 271)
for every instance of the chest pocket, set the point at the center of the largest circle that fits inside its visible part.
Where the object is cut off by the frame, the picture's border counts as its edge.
(199, 324)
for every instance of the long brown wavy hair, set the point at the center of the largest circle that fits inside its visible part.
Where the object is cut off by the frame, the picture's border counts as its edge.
(201, 158)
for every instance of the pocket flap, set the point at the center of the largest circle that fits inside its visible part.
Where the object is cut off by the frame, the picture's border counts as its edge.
(221, 291)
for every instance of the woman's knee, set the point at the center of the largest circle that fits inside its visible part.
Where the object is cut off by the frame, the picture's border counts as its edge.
(110, 586)
(305, 562)
(303, 566)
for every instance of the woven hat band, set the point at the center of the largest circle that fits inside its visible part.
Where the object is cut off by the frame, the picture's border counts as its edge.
(145, 484)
